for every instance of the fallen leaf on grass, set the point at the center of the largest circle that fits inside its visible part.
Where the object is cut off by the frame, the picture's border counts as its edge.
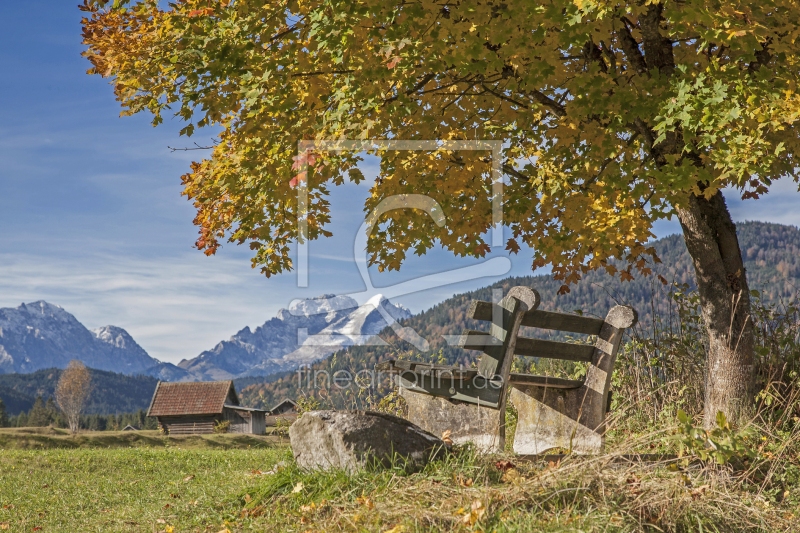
(226, 530)
(4, 525)
(511, 475)
(504, 465)
(468, 483)
(189, 478)
(396, 529)
(308, 508)
(37, 528)
(446, 437)
(166, 506)
(366, 502)
(696, 493)
(160, 521)
(475, 515)
(297, 488)
(174, 495)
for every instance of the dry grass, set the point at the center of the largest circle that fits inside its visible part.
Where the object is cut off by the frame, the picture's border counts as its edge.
(469, 492)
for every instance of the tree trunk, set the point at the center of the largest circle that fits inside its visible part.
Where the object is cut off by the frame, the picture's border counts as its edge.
(710, 237)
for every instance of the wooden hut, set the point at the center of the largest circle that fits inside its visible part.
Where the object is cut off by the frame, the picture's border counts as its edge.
(286, 411)
(194, 408)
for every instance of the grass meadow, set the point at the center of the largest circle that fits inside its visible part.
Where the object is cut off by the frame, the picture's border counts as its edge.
(229, 483)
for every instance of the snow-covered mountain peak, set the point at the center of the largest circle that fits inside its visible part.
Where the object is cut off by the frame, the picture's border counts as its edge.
(114, 335)
(327, 304)
(396, 311)
(46, 310)
(42, 335)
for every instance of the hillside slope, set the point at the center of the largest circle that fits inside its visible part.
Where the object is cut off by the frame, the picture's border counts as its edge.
(111, 392)
(772, 260)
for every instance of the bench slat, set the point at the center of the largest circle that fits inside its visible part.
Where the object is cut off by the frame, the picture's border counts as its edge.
(469, 391)
(443, 372)
(587, 325)
(537, 318)
(476, 340)
(520, 380)
(484, 311)
(528, 347)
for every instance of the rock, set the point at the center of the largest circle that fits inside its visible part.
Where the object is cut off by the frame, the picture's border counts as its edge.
(352, 440)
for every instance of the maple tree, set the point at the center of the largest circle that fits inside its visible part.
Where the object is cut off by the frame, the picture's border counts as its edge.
(613, 115)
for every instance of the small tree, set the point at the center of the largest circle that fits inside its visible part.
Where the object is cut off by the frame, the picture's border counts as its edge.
(72, 392)
(38, 416)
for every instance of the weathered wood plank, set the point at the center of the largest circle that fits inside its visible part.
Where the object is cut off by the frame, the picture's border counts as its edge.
(494, 356)
(485, 311)
(522, 380)
(527, 347)
(476, 340)
(477, 391)
(586, 325)
(397, 367)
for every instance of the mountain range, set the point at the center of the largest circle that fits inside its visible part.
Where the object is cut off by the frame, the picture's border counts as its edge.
(41, 335)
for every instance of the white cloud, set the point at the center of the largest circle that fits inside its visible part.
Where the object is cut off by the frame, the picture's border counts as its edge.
(175, 307)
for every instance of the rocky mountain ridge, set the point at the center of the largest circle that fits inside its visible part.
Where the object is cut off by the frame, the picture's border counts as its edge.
(41, 335)
(307, 331)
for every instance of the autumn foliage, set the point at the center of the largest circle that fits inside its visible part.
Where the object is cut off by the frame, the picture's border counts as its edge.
(612, 116)
(72, 392)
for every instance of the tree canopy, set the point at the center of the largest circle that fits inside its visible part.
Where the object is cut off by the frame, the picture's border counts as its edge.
(603, 132)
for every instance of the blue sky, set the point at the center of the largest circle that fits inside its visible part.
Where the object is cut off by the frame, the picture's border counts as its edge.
(91, 216)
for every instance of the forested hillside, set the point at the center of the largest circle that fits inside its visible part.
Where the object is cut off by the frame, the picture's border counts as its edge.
(772, 259)
(111, 392)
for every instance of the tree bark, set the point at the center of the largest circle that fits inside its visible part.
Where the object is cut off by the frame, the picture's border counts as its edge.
(710, 237)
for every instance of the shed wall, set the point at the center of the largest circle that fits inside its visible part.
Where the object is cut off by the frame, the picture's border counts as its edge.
(187, 425)
(259, 426)
(240, 420)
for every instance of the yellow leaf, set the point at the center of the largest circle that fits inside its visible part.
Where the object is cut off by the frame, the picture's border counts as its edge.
(366, 502)
(297, 488)
(396, 529)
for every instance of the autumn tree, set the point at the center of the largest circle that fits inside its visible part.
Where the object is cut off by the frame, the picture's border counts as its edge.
(613, 115)
(72, 393)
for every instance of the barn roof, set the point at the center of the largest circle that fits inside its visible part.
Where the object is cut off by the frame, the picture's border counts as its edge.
(191, 398)
(284, 402)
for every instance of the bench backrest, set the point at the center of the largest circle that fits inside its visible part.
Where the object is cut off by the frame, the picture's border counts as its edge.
(502, 343)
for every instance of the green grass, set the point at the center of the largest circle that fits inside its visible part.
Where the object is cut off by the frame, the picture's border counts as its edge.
(215, 484)
(55, 438)
(126, 489)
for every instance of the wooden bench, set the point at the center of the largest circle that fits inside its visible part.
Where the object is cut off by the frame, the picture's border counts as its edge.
(552, 412)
